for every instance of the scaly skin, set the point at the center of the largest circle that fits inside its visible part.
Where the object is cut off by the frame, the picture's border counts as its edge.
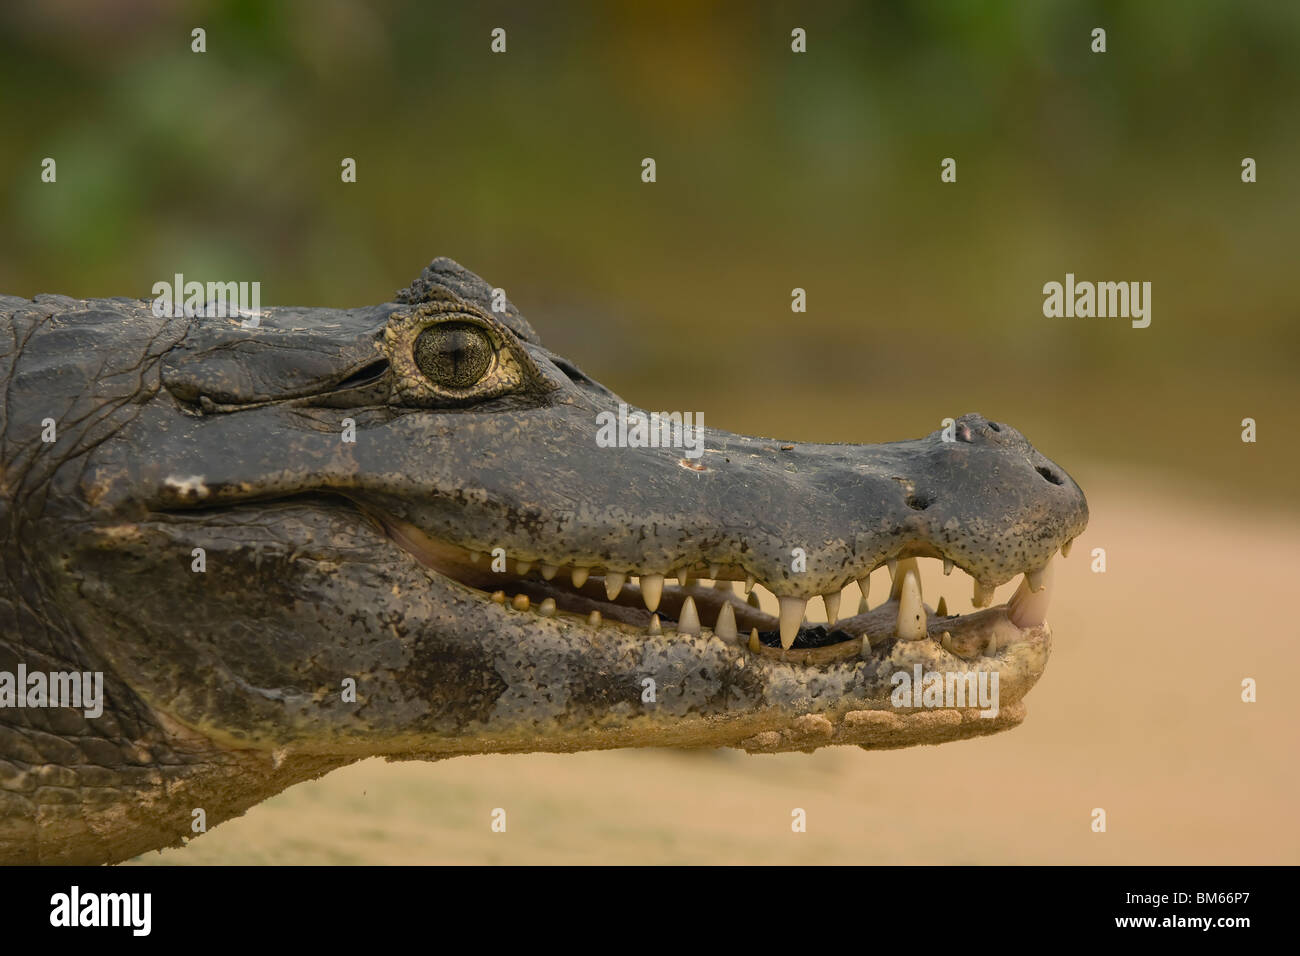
(331, 560)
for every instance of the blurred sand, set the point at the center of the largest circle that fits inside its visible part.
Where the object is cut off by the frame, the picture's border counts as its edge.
(1139, 713)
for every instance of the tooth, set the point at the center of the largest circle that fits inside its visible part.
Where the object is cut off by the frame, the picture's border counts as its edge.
(499, 597)
(547, 607)
(614, 582)
(864, 585)
(726, 626)
(1035, 579)
(792, 609)
(519, 602)
(523, 567)
(892, 564)
(991, 648)
(947, 565)
(946, 641)
(474, 556)
(654, 627)
(749, 583)
(652, 589)
(1065, 548)
(713, 572)
(688, 622)
(942, 609)
(752, 601)
(548, 571)
(684, 577)
(580, 576)
(863, 606)
(1028, 608)
(754, 644)
(724, 586)
(900, 571)
(832, 602)
(911, 612)
(593, 619)
(982, 596)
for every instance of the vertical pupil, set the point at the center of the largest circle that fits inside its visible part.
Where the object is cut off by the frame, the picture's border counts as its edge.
(453, 354)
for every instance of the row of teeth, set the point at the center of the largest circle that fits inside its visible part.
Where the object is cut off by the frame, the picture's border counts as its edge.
(1026, 608)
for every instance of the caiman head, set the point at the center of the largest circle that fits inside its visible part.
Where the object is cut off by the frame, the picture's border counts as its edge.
(411, 530)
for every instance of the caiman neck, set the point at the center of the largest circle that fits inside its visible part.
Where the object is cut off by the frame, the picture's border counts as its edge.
(90, 803)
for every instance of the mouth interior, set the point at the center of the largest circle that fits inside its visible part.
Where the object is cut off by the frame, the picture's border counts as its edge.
(602, 597)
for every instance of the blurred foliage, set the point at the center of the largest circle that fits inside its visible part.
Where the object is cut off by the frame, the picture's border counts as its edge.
(775, 170)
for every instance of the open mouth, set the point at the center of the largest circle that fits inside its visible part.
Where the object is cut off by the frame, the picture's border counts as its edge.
(649, 603)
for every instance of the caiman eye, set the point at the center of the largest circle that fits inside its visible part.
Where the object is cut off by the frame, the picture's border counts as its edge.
(454, 354)
(446, 352)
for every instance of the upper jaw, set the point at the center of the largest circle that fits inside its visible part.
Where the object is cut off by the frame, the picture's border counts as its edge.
(802, 519)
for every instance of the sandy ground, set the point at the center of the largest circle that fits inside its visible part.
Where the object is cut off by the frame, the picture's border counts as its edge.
(1139, 713)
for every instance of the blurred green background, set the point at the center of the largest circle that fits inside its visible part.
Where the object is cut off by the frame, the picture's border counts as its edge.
(775, 170)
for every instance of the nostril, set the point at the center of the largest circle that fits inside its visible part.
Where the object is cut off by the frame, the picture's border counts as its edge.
(919, 502)
(1047, 473)
(995, 426)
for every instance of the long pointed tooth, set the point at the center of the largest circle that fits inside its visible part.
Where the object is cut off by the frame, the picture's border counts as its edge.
(900, 570)
(947, 565)
(655, 627)
(982, 596)
(832, 602)
(753, 640)
(911, 612)
(520, 602)
(792, 609)
(548, 571)
(547, 607)
(1035, 579)
(749, 583)
(863, 606)
(864, 585)
(946, 641)
(752, 601)
(1028, 608)
(725, 628)
(523, 567)
(684, 577)
(594, 619)
(942, 609)
(991, 648)
(892, 564)
(713, 572)
(580, 576)
(688, 621)
(1065, 548)
(614, 581)
(652, 589)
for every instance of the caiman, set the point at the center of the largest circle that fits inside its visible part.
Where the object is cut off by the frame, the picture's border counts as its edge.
(286, 545)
